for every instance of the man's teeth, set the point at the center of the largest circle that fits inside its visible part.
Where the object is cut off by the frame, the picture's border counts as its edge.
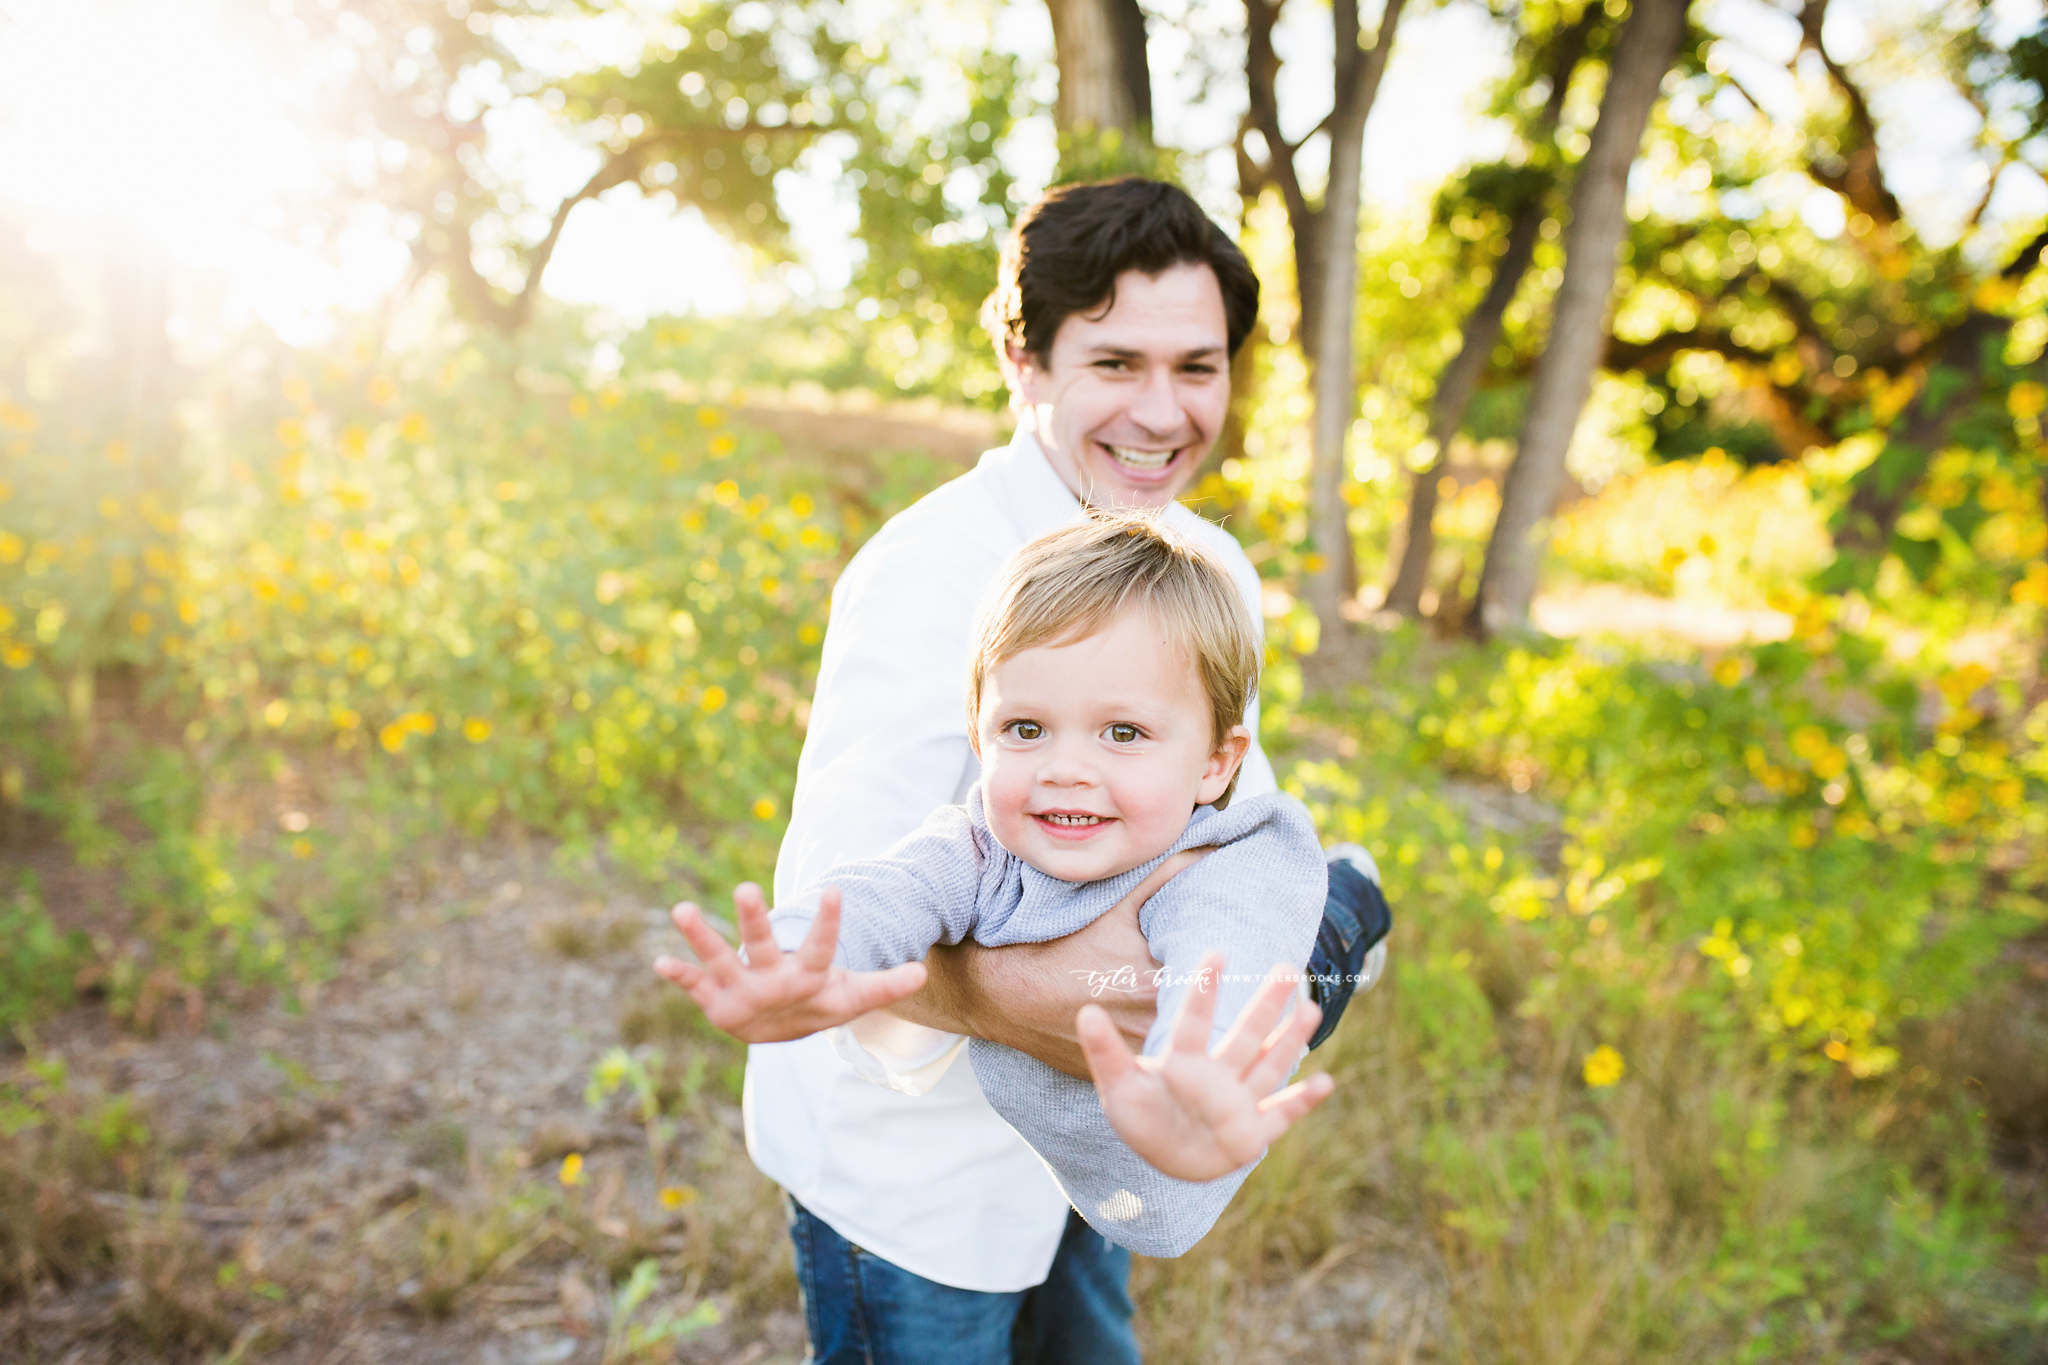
(1142, 459)
(1073, 819)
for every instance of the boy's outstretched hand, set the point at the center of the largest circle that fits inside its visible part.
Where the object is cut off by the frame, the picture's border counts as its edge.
(1196, 1114)
(773, 996)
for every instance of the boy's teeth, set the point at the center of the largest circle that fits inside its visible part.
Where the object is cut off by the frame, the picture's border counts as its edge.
(1143, 459)
(1074, 819)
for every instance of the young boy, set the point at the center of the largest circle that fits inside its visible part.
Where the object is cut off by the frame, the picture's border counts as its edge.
(1106, 701)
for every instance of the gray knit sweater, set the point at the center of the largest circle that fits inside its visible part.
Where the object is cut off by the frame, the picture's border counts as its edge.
(1258, 898)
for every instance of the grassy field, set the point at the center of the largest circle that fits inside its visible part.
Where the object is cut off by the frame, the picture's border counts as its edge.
(346, 768)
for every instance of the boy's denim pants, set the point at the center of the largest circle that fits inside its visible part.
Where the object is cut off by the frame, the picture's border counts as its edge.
(862, 1310)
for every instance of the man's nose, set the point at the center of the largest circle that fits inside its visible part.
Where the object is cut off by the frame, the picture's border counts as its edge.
(1156, 406)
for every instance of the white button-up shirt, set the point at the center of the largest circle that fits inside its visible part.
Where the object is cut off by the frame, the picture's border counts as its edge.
(882, 1137)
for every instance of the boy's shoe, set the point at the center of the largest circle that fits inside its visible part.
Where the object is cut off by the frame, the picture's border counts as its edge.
(1378, 921)
(1351, 951)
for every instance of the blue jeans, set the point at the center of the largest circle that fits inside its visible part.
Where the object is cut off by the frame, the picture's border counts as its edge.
(862, 1310)
(1355, 917)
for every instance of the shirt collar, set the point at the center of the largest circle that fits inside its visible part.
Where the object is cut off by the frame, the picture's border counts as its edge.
(1029, 490)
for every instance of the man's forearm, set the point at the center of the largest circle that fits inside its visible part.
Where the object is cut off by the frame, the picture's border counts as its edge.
(1026, 996)
(964, 981)
(943, 1003)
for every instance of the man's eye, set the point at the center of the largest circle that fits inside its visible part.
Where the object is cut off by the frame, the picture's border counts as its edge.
(1123, 734)
(1026, 729)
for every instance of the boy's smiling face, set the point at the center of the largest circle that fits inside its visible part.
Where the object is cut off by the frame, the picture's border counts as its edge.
(1094, 753)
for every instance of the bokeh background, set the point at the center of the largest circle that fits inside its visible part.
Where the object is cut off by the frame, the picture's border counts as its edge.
(430, 430)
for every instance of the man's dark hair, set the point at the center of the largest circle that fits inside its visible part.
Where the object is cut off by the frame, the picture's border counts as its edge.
(1067, 249)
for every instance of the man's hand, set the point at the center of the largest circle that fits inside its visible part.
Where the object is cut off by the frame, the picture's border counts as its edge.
(1196, 1114)
(773, 996)
(1025, 996)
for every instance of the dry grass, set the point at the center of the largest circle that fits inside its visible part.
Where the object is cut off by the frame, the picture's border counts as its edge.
(77, 1172)
(1513, 1215)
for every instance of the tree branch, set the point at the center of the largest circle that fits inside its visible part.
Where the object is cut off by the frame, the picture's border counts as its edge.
(2022, 265)
(624, 166)
(1262, 69)
(1861, 181)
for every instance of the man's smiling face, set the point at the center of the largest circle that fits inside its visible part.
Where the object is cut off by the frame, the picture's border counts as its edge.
(1129, 401)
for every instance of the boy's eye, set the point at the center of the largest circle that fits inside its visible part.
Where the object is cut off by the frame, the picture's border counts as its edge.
(1123, 734)
(1026, 729)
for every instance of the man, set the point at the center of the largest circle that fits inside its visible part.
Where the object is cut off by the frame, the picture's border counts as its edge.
(924, 1228)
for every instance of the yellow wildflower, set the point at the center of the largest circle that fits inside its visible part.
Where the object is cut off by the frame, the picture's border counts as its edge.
(676, 1196)
(1604, 1066)
(714, 699)
(476, 729)
(2033, 588)
(572, 1170)
(764, 809)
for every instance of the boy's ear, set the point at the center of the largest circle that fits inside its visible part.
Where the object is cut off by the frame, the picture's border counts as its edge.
(1223, 765)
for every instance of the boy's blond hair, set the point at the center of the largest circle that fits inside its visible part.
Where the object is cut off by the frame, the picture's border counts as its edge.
(1071, 583)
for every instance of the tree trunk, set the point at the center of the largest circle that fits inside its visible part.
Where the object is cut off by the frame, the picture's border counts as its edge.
(1578, 329)
(1482, 332)
(1447, 406)
(1105, 84)
(1329, 343)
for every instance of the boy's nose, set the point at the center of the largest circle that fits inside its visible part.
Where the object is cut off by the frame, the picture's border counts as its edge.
(1066, 765)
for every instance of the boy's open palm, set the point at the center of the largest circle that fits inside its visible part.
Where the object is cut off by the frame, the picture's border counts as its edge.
(1196, 1114)
(771, 996)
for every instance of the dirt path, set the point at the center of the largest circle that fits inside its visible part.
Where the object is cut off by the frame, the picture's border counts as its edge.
(378, 1179)
(385, 1168)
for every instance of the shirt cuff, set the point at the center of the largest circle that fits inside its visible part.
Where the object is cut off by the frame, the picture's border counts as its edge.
(886, 1051)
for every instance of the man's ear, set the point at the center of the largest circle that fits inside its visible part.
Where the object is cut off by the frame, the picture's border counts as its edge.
(1223, 765)
(1021, 371)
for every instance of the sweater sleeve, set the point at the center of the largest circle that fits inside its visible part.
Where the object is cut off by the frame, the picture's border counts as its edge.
(1258, 898)
(895, 907)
